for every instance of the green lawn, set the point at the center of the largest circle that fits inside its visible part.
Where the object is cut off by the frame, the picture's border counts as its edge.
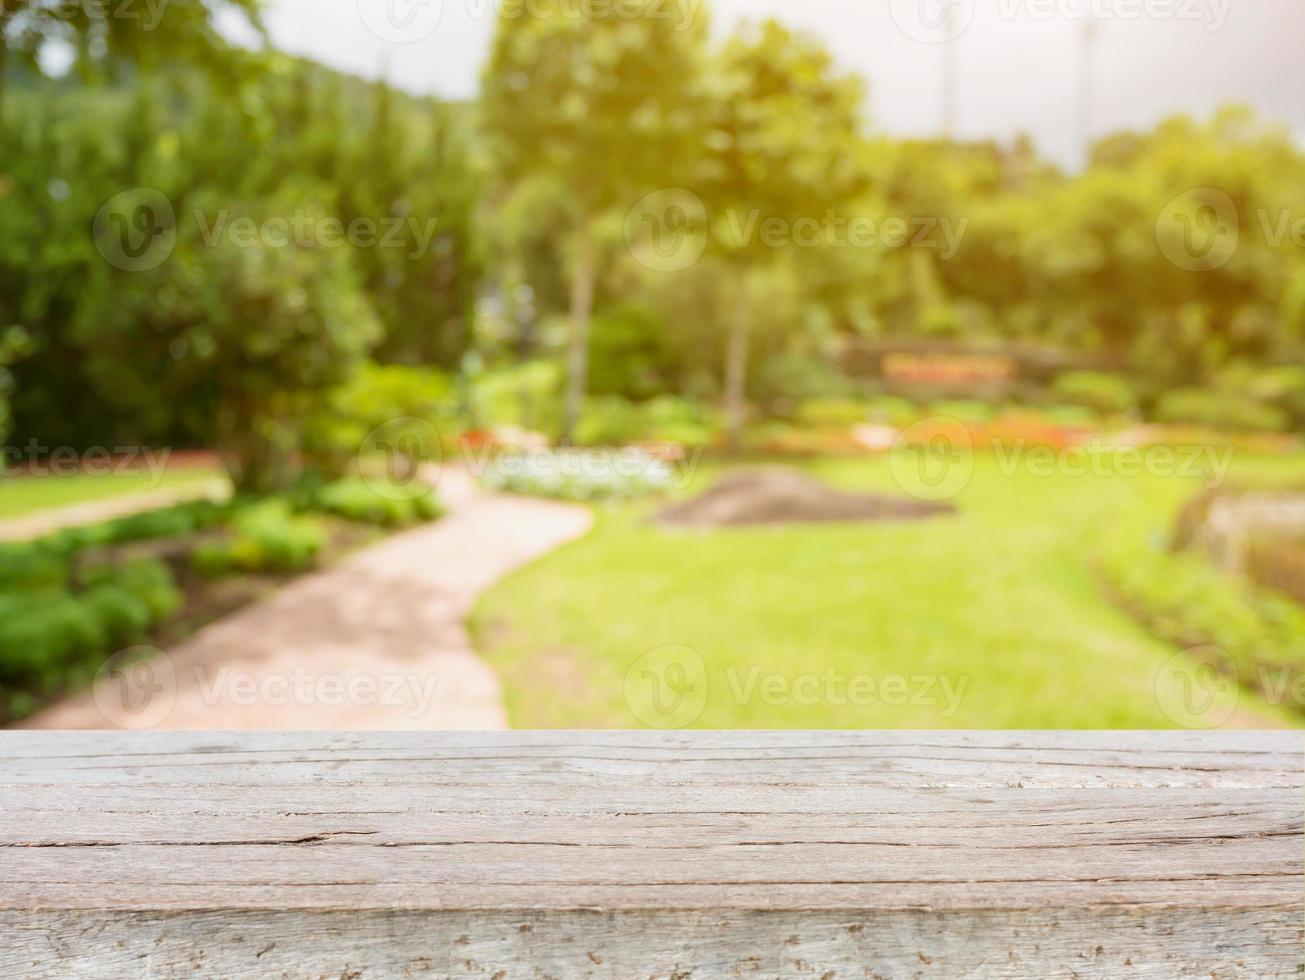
(24, 495)
(988, 619)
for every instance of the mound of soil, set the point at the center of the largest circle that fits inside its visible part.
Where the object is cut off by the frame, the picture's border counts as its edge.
(775, 495)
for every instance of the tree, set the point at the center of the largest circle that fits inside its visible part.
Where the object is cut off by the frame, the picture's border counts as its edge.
(272, 323)
(602, 101)
(1172, 252)
(104, 33)
(14, 344)
(412, 172)
(784, 127)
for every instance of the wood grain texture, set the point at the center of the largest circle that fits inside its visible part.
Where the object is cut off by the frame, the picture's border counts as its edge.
(686, 855)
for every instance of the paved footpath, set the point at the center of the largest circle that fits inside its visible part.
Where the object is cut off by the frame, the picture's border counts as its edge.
(376, 642)
(45, 522)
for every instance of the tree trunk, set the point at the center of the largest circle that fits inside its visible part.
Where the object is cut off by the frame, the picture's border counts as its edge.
(253, 446)
(4, 58)
(582, 301)
(736, 366)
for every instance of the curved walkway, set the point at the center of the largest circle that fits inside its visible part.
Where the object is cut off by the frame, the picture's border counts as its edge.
(374, 643)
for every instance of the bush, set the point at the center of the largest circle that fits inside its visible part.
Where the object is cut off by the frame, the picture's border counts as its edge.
(426, 508)
(54, 625)
(628, 356)
(1220, 410)
(376, 396)
(146, 579)
(168, 522)
(786, 380)
(122, 616)
(891, 410)
(831, 413)
(264, 537)
(617, 422)
(528, 396)
(1285, 387)
(972, 412)
(41, 635)
(357, 500)
(32, 565)
(1067, 416)
(682, 421)
(1189, 603)
(610, 422)
(1109, 394)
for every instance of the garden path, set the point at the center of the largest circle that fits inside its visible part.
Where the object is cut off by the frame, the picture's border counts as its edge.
(43, 522)
(377, 642)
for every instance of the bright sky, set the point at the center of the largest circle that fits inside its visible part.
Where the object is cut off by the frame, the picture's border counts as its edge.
(1019, 63)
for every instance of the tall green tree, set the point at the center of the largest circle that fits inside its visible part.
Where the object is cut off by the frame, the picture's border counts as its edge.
(784, 126)
(601, 99)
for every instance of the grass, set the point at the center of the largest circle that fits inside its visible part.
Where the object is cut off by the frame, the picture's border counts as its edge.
(21, 496)
(991, 618)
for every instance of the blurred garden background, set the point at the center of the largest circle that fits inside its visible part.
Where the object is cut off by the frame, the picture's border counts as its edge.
(873, 430)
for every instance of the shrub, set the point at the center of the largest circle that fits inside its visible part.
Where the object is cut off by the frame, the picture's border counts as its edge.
(1189, 603)
(1220, 410)
(264, 537)
(121, 615)
(42, 633)
(426, 508)
(831, 413)
(1068, 416)
(1285, 386)
(168, 522)
(32, 565)
(682, 421)
(628, 354)
(354, 500)
(1109, 394)
(786, 380)
(357, 500)
(964, 411)
(610, 422)
(891, 410)
(146, 579)
(55, 626)
(616, 422)
(528, 396)
(376, 396)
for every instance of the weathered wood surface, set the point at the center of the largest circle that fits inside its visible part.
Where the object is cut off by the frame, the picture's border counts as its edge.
(687, 855)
